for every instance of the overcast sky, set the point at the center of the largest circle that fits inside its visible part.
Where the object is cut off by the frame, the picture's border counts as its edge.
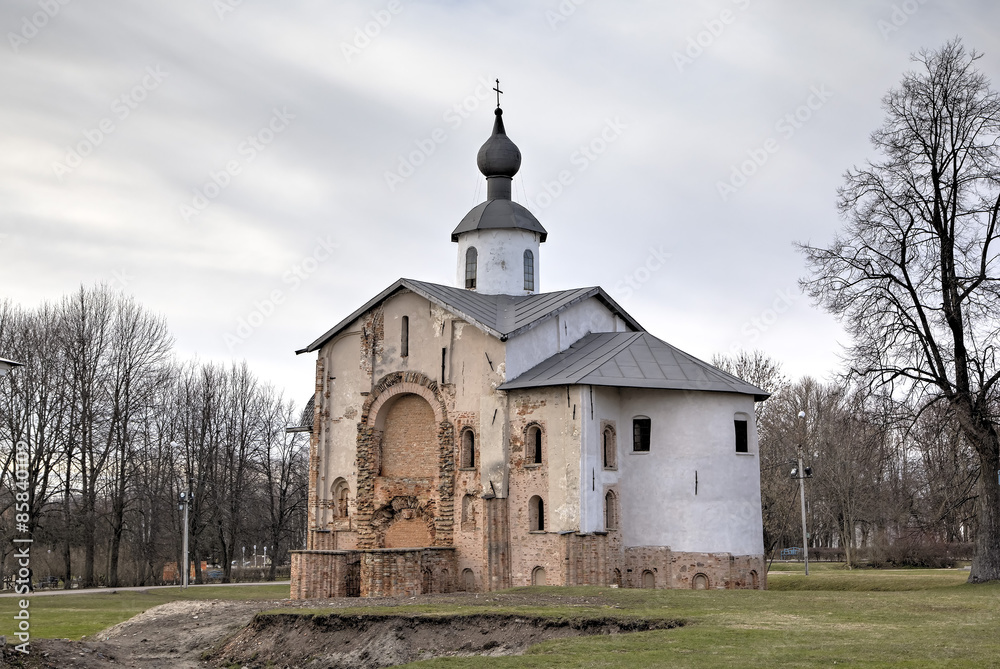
(257, 171)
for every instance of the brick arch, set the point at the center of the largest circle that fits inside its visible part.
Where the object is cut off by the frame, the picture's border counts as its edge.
(400, 383)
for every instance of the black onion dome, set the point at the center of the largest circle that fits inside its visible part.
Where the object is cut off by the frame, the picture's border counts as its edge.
(499, 157)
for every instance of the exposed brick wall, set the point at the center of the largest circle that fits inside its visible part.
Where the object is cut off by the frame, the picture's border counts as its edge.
(320, 574)
(404, 572)
(410, 447)
(407, 533)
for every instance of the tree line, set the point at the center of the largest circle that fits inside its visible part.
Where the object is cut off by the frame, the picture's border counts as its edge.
(891, 482)
(117, 427)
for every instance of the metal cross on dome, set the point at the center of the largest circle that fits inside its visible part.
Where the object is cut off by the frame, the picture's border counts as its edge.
(497, 89)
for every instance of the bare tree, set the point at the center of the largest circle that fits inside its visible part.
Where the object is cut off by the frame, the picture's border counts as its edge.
(915, 276)
(282, 459)
(240, 414)
(139, 347)
(87, 328)
(944, 475)
(33, 406)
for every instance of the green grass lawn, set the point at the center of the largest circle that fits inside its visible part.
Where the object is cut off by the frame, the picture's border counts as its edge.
(73, 616)
(870, 618)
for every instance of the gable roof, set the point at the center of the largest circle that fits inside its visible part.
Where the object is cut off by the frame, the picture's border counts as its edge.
(630, 360)
(502, 316)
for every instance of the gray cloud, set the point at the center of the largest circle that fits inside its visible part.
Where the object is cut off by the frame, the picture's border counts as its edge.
(654, 186)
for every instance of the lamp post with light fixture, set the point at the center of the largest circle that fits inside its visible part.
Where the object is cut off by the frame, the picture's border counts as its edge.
(184, 504)
(802, 473)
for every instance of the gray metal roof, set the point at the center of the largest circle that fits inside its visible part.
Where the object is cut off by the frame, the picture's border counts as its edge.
(499, 214)
(630, 360)
(502, 316)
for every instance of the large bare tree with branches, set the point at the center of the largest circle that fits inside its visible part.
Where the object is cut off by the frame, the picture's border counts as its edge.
(915, 274)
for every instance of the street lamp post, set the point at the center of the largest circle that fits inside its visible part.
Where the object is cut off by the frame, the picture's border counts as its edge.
(184, 503)
(802, 473)
(255, 556)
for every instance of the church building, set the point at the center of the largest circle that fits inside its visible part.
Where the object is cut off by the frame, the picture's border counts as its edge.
(488, 435)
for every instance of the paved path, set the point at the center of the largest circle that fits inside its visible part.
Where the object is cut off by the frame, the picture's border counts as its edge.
(88, 591)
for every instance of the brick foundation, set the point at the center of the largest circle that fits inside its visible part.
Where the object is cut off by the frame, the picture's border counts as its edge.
(391, 572)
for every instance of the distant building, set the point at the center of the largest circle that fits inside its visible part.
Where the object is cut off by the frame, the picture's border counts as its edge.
(490, 435)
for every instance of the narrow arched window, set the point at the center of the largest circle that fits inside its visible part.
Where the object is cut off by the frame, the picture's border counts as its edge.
(533, 445)
(341, 492)
(468, 455)
(404, 337)
(468, 513)
(610, 449)
(536, 514)
(471, 260)
(611, 511)
(529, 270)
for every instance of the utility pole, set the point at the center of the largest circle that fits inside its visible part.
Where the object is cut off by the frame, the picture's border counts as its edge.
(185, 503)
(802, 473)
(802, 498)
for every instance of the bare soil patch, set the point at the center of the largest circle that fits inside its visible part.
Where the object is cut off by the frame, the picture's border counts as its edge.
(198, 634)
(374, 641)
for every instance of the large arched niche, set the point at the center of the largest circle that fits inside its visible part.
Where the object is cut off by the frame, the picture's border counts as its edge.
(405, 410)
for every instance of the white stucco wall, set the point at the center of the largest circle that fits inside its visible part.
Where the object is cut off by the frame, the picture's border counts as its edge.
(501, 260)
(691, 432)
(558, 334)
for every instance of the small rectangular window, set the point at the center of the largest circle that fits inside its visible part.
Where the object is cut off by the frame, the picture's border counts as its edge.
(404, 337)
(742, 445)
(641, 428)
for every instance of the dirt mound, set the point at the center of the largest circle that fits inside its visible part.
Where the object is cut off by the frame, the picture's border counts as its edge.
(373, 641)
(169, 636)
